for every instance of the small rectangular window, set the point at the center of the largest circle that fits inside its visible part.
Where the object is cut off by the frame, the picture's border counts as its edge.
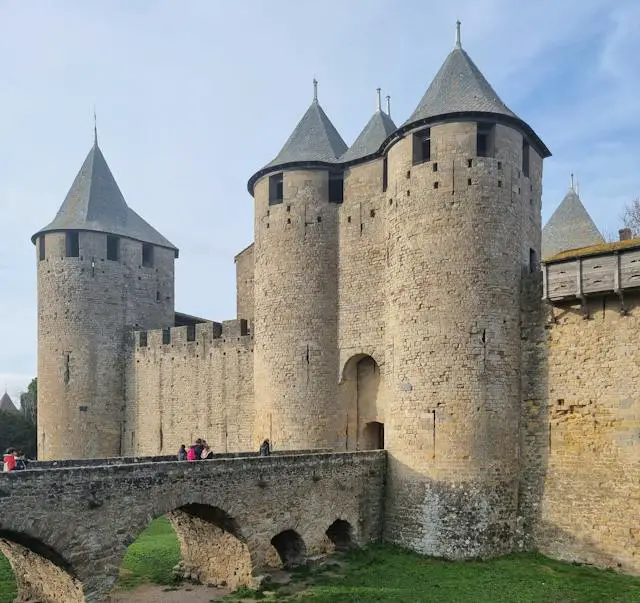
(147, 255)
(485, 140)
(336, 188)
(533, 260)
(42, 254)
(113, 248)
(276, 189)
(72, 245)
(525, 158)
(422, 146)
(385, 174)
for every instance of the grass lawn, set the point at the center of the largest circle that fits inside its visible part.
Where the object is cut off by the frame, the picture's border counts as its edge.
(151, 557)
(8, 590)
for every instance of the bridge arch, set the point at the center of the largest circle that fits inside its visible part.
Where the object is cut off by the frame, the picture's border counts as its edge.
(41, 573)
(340, 534)
(213, 548)
(291, 548)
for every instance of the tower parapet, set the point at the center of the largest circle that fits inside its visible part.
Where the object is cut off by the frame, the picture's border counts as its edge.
(102, 271)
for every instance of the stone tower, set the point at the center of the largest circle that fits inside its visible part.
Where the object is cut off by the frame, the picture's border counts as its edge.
(102, 271)
(297, 196)
(464, 188)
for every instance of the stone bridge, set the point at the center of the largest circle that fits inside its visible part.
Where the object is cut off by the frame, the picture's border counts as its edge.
(65, 530)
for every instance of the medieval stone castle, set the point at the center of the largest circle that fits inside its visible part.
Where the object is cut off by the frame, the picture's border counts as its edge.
(394, 297)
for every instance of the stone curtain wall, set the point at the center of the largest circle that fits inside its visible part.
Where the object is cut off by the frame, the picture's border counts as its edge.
(244, 283)
(82, 519)
(183, 390)
(590, 509)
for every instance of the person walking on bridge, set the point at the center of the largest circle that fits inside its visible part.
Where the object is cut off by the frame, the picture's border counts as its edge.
(265, 448)
(182, 453)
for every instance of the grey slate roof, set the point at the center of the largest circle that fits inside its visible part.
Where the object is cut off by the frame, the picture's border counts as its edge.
(94, 202)
(313, 139)
(459, 86)
(7, 404)
(569, 227)
(377, 130)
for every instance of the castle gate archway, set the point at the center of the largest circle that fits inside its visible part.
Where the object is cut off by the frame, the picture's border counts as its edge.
(360, 396)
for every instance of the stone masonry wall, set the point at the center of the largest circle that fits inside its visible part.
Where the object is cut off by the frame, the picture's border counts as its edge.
(185, 389)
(84, 518)
(87, 308)
(589, 444)
(244, 283)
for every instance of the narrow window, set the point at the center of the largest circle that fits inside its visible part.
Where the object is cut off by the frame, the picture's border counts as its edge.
(72, 245)
(422, 146)
(533, 260)
(41, 249)
(385, 174)
(147, 255)
(525, 158)
(336, 188)
(276, 189)
(143, 339)
(113, 248)
(485, 140)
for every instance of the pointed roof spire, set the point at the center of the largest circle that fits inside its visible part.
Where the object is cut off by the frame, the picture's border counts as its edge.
(569, 227)
(315, 139)
(7, 405)
(388, 105)
(378, 91)
(377, 130)
(94, 203)
(460, 88)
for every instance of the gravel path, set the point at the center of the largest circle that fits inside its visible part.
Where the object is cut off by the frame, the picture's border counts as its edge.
(159, 594)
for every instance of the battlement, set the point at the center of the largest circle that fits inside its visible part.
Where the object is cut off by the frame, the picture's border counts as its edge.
(204, 332)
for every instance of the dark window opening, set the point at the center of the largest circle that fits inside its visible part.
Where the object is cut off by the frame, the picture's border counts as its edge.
(166, 336)
(41, 248)
(276, 189)
(422, 146)
(469, 162)
(157, 296)
(499, 165)
(372, 213)
(385, 174)
(525, 158)
(436, 184)
(143, 339)
(191, 332)
(336, 188)
(288, 220)
(147, 255)
(349, 219)
(288, 208)
(319, 219)
(373, 436)
(499, 183)
(485, 140)
(435, 166)
(533, 260)
(469, 181)
(113, 248)
(72, 245)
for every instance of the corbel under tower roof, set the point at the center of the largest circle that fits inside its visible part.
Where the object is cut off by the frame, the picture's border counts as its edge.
(314, 141)
(570, 227)
(377, 130)
(94, 203)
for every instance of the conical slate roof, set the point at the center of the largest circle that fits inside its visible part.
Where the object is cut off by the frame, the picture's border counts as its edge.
(459, 87)
(569, 227)
(377, 130)
(94, 202)
(7, 405)
(315, 138)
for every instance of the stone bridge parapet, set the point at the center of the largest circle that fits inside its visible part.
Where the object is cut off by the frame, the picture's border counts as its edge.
(65, 530)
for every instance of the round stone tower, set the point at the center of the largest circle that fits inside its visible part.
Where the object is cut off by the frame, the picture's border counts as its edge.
(297, 196)
(102, 271)
(464, 186)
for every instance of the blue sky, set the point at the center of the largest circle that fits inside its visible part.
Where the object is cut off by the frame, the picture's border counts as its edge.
(193, 97)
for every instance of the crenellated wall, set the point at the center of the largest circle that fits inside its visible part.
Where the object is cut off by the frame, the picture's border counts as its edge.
(190, 382)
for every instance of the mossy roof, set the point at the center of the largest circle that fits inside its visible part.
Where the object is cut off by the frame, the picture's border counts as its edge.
(600, 249)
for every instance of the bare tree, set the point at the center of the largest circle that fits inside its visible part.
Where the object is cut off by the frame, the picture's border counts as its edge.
(631, 216)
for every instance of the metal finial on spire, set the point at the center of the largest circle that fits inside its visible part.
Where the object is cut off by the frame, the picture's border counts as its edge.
(315, 89)
(95, 127)
(378, 90)
(572, 187)
(388, 105)
(458, 42)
